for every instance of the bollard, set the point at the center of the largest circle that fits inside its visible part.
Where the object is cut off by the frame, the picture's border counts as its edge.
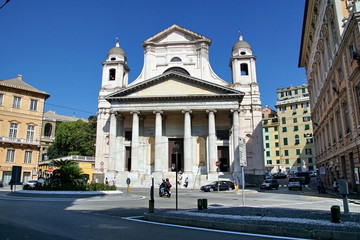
(200, 204)
(335, 214)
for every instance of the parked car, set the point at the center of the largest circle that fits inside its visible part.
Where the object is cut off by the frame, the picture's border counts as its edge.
(313, 173)
(294, 182)
(269, 184)
(279, 175)
(304, 177)
(31, 183)
(221, 185)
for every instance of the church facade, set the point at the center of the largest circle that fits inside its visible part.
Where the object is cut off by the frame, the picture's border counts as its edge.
(178, 114)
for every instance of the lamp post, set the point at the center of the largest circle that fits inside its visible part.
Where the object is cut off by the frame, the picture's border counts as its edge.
(176, 149)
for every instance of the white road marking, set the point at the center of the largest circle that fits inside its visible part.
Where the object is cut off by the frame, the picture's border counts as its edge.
(135, 219)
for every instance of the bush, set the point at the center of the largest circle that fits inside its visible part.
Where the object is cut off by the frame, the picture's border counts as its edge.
(69, 187)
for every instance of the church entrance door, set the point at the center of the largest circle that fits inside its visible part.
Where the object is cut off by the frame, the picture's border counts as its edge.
(176, 150)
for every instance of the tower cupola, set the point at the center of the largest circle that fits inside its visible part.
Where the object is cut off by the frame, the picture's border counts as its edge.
(241, 47)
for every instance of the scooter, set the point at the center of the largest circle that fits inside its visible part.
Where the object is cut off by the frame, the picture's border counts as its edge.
(164, 193)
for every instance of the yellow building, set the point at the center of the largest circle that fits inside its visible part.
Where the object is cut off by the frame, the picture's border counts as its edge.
(87, 164)
(295, 129)
(21, 112)
(271, 139)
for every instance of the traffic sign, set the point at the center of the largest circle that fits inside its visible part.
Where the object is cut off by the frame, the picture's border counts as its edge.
(101, 169)
(217, 163)
(101, 163)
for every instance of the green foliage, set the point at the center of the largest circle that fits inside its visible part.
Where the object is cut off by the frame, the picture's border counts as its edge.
(99, 187)
(74, 138)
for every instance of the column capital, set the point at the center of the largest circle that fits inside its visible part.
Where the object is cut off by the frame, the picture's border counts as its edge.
(158, 111)
(211, 110)
(186, 110)
(135, 112)
(234, 110)
(116, 114)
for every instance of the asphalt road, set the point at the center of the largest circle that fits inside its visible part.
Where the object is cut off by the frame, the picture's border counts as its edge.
(114, 217)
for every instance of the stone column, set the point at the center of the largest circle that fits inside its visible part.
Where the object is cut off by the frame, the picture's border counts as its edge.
(212, 141)
(112, 141)
(120, 149)
(135, 142)
(235, 140)
(187, 141)
(158, 139)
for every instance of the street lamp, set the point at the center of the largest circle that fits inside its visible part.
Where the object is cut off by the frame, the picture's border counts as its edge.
(176, 150)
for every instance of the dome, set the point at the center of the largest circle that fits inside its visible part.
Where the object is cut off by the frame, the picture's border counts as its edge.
(241, 44)
(116, 50)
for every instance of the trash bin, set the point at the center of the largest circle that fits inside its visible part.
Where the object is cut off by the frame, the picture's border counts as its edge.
(205, 203)
(335, 214)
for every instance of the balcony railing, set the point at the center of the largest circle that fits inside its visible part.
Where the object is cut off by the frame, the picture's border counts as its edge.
(19, 140)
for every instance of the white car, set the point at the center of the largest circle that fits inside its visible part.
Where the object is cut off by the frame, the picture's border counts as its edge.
(31, 183)
(294, 182)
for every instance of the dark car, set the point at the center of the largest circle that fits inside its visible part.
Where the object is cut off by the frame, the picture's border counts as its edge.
(269, 184)
(221, 185)
(304, 177)
(279, 176)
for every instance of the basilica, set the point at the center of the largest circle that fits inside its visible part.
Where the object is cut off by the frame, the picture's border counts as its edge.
(178, 115)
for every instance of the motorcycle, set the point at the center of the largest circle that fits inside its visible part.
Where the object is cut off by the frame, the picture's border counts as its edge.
(164, 192)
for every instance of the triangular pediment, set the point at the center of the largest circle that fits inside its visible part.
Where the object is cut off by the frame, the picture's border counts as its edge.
(174, 85)
(175, 34)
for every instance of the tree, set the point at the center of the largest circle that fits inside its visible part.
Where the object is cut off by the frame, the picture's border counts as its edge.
(67, 175)
(74, 138)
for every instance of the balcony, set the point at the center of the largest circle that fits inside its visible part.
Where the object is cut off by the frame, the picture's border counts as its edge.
(19, 141)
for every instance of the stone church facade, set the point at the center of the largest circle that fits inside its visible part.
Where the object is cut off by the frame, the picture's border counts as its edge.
(178, 111)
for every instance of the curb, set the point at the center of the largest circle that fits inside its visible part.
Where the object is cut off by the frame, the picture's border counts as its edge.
(276, 230)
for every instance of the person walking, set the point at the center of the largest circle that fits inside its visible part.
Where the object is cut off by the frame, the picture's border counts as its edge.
(318, 184)
(186, 182)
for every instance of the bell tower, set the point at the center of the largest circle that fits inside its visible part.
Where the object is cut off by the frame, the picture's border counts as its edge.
(115, 70)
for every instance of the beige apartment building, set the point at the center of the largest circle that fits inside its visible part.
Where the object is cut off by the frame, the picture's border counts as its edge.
(297, 151)
(270, 122)
(330, 54)
(21, 112)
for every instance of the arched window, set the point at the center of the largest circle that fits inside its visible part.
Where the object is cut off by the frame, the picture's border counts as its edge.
(244, 69)
(175, 59)
(177, 69)
(112, 73)
(48, 130)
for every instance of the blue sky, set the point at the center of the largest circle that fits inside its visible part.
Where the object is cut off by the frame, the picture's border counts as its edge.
(58, 46)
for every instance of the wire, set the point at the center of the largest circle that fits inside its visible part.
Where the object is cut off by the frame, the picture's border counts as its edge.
(4, 4)
(69, 108)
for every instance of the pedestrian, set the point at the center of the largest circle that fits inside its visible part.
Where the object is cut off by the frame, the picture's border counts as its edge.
(179, 178)
(335, 185)
(186, 182)
(318, 184)
(114, 182)
(106, 181)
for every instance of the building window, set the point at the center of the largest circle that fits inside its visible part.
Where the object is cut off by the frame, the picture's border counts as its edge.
(30, 133)
(276, 136)
(269, 162)
(277, 153)
(308, 151)
(267, 145)
(266, 137)
(266, 129)
(339, 125)
(283, 109)
(276, 144)
(286, 152)
(16, 102)
(284, 129)
(175, 59)
(33, 105)
(285, 141)
(310, 160)
(283, 120)
(48, 130)
(346, 117)
(305, 105)
(295, 120)
(298, 151)
(332, 127)
(303, 90)
(10, 156)
(297, 141)
(309, 140)
(307, 127)
(268, 153)
(286, 161)
(294, 106)
(298, 160)
(306, 119)
(28, 157)
(1, 99)
(265, 121)
(275, 129)
(244, 69)
(13, 130)
(128, 135)
(112, 73)
(296, 128)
